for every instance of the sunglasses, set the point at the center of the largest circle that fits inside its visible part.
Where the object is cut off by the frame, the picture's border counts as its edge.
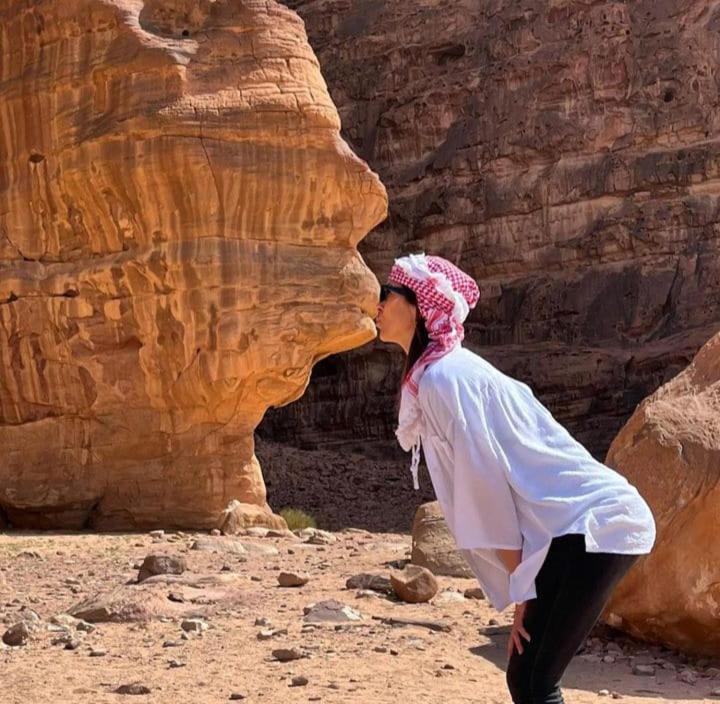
(404, 291)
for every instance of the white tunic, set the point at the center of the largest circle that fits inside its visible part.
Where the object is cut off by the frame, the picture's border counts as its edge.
(508, 475)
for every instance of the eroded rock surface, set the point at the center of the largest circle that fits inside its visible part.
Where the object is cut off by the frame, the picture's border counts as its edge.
(178, 222)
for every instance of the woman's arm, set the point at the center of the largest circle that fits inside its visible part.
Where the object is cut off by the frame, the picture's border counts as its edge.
(510, 558)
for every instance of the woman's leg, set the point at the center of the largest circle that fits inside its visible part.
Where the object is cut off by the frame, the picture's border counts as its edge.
(563, 549)
(585, 588)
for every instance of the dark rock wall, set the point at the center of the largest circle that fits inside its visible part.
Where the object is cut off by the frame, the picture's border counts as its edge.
(564, 153)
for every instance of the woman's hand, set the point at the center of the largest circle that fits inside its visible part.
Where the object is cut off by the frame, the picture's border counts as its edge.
(518, 630)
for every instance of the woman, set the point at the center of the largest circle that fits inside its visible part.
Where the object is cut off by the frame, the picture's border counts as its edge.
(539, 520)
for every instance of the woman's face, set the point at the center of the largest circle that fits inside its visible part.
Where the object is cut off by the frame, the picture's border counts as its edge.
(395, 319)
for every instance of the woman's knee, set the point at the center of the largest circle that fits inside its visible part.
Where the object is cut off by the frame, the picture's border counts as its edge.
(518, 681)
(545, 691)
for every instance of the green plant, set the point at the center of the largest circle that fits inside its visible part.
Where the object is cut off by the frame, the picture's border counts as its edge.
(297, 519)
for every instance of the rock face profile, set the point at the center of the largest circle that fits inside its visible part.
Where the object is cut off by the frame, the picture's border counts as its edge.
(178, 227)
(670, 450)
(566, 155)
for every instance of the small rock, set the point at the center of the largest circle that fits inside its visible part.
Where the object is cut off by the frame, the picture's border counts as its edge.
(236, 696)
(448, 597)
(98, 653)
(608, 659)
(687, 676)
(176, 663)
(292, 579)
(215, 532)
(414, 584)
(262, 621)
(367, 594)
(375, 582)
(287, 654)
(603, 693)
(160, 564)
(713, 672)
(67, 641)
(299, 681)
(715, 692)
(157, 533)
(17, 635)
(315, 536)
(132, 688)
(330, 611)
(474, 593)
(268, 633)
(194, 625)
(645, 670)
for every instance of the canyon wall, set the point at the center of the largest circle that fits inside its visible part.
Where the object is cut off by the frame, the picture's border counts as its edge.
(565, 154)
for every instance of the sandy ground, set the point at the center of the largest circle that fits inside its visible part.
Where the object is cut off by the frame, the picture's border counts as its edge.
(364, 661)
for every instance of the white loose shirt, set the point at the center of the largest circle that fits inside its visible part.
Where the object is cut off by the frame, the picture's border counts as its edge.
(507, 475)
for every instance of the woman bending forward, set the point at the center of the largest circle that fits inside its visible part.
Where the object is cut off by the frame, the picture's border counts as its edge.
(541, 523)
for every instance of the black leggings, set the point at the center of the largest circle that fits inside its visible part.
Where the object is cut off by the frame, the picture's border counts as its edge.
(572, 588)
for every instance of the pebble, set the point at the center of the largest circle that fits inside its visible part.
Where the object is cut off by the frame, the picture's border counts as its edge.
(268, 633)
(98, 653)
(293, 579)
(17, 634)
(373, 582)
(645, 670)
(474, 593)
(330, 611)
(132, 688)
(236, 696)
(299, 681)
(194, 625)
(287, 654)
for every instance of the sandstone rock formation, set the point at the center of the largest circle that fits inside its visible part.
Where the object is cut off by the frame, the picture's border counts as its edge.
(433, 545)
(564, 153)
(178, 223)
(670, 450)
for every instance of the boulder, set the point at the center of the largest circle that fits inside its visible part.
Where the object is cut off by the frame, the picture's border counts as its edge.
(239, 517)
(433, 545)
(414, 584)
(670, 450)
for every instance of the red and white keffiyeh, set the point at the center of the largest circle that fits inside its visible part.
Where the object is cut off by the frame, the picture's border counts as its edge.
(445, 295)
